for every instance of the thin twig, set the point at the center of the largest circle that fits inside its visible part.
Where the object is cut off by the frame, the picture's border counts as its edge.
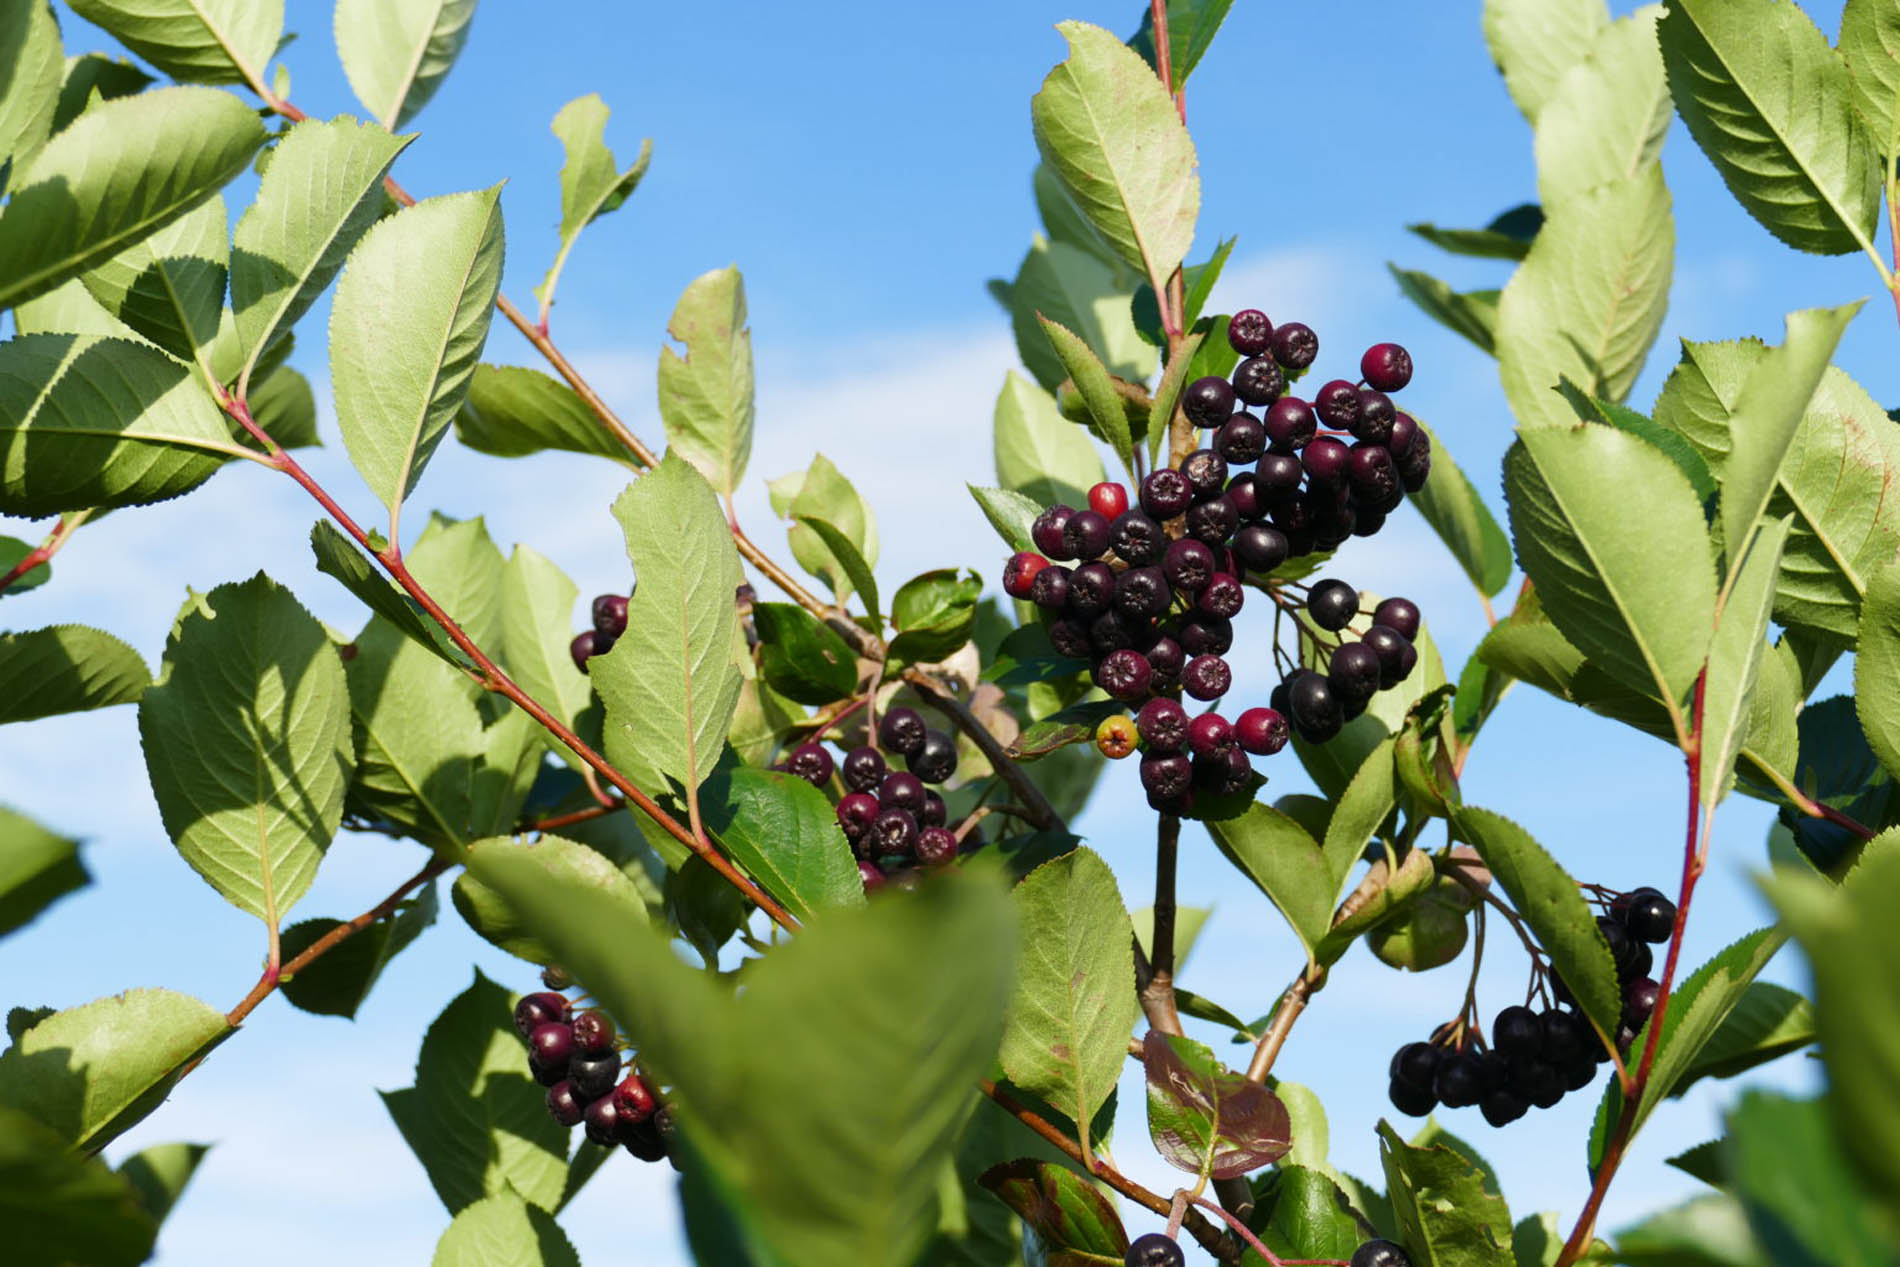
(1287, 1011)
(1253, 1242)
(559, 821)
(1157, 984)
(62, 533)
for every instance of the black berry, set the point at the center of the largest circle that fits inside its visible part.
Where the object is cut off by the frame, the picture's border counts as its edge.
(1337, 404)
(1502, 1107)
(1386, 366)
(563, 1105)
(1091, 589)
(1207, 635)
(610, 615)
(1376, 416)
(810, 762)
(1518, 1032)
(1085, 536)
(1153, 1250)
(552, 1044)
(902, 731)
(937, 759)
(1380, 1253)
(1312, 707)
(1162, 724)
(643, 1139)
(1142, 592)
(1206, 677)
(1166, 776)
(1295, 345)
(603, 1121)
(1290, 424)
(1459, 1081)
(1325, 460)
(1410, 1100)
(1652, 919)
(1400, 615)
(864, 769)
(1046, 532)
(1353, 671)
(1416, 1063)
(588, 645)
(1332, 604)
(1124, 674)
(1137, 539)
(1249, 332)
(1165, 493)
(536, 1010)
(1188, 564)
(1260, 548)
(1241, 439)
(1206, 472)
(594, 1076)
(1212, 521)
(1069, 637)
(1208, 401)
(901, 790)
(1050, 588)
(935, 813)
(855, 813)
(894, 831)
(1404, 431)
(1259, 380)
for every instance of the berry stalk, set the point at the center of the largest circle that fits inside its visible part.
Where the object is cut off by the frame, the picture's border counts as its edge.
(62, 533)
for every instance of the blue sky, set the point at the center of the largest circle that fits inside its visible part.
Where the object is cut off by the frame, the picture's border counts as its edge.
(867, 166)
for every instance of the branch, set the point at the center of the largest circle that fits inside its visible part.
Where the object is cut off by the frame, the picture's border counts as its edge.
(1287, 1011)
(1040, 813)
(62, 533)
(568, 820)
(1157, 984)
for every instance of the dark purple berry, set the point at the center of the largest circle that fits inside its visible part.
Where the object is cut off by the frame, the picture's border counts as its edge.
(1050, 589)
(1091, 589)
(1166, 775)
(1290, 424)
(1410, 1100)
(1162, 724)
(1325, 460)
(1249, 332)
(1111, 631)
(1276, 477)
(1639, 1001)
(1208, 733)
(937, 759)
(1124, 674)
(546, 1075)
(1400, 615)
(1223, 771)
(1311, 707)
(810, 762)
(1353, 671)
(1153, 1250)
(1652, 919)
(1207, 677)
(1332, 604)
(1540, 1082)
(935, 813)
(643, 1139)
(1189, 564)
(1518, 1032)
(1407, 659)
(1502, 1106)
(1047, 532)
(536, 1010)
(1386, 366)
(1208, 401)
(1206, 473)
(870, 875)
(1243, 490)
(634, 1100)
(1142, 592)
(1380, 1253)
(588, 645)
(1207, 635)
(1260, 548)
(1259, 380)
(1376, 416)
(593, 1033)
(603, 1121)
(1165, 493)
(935, 846)
(1085, 536)
(552, 1044)
(1137, 539)
(1295, 345)
(1416, 466)
(1459, 1082)
(1167, 659)
(1370, 471)
(855, 813)
(1261, 731)
(901, 790)
(1578, 1073)
(1069, 637)
(1567, 1037)
(894, 831)
(593, 1076)
(864, 769)
(610, 615)
(563, 1105)
(1337, 404)
(1212, 521)
(902, 731)
(1223, 596)
(1241, 439)
(1368, 522)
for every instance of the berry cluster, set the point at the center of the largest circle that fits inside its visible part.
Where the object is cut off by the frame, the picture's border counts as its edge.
(610, 621)
(895, 824)
(1148, 592)
(1157, 1250)
(576, 1056)
(1381, 1253)
(1536, 1057)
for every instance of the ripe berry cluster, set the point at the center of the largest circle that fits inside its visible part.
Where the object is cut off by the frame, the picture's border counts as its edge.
(1148, 592)
(1381, 1253)
(576, 1056)
(610, 621)
(895, 824)
(1636, 921)
(1157, 1250)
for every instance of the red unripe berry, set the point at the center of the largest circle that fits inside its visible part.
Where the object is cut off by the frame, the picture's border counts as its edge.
(1261, 731)
(633, 1100)
(1386, 367)
(1109, 500)
(1019, 574)
(1209, 733)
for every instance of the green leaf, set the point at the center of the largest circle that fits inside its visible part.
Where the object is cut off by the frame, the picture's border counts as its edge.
(285, 407)
(800, 658)
(247, 742)
(592, 185)
(706, 395)
(1108, 129)
(1766, 1023)
(108, 422)
(1074, 1001)
(1853, 950)
(1537, 1240)
(159, 1174)
(320, 194)
(1039, 453)
(1588, 300)
(1705, 1162)
(1548, 899)
(821, 492)
(1174, 381)
(195, 41)
(339, 982)
(1798, 1190)
(1607, 114)
(122, 170)
(1534, 42)
(60, 1207)
(1061, 1207)
(784, 832)
(1071, 286)
(822, 1169)
(169, 285)
(935, 613)
(511, 411)
(1446, 1216)
(1870, 45)
(671, 682)
(1594, 563)
(1690, 462)
(32, 66)
(1204, 1119)
(1463, 522)
(1710, 1231)
(397, 52)
(1092, 380)
(845, 554)
(1428, 932)
(474, 1119)
(91, 73)
(1011, 514)
(536, 599)
(1368, 800)
(490, 915)
(406, 328)
(1192, 25)
(90, 1073)
(1309, 1216)
(338, 556)
(418, 735)
(1507, 237)
(502, 1230)
(1278, 855)
(66, 669)
(1771, 105)
(37, 868)
(1473, 314)
(14, 552)
(1735, 655)
(1877, 666)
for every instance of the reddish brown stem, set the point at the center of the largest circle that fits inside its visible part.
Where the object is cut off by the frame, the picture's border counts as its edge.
(1245, 1233)
(568, 820)
(62, 533)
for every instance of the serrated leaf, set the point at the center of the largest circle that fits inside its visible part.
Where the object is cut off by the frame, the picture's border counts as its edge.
(785, 834)
(337, 556)
(320, 194)
(406, 328)
(419, 738)
(95, 73)
(338, 983)
(490, 915)
(1534, 42)
(122, 170)
(502, 1230)
(32, 65)
(1192, 25)
(61, 1207)
(37, 868)
(821, 492)
(247, 743)
(1870, 46)
(1797, 1188)
(1473, 314)
(1011, 514)
(1588, 300)
(1074, 1000)
(1548, 899)
(1092, 381)
(935, 613)
(1039, 453)
(169, 285)
(511, 411)
(90, 1073)
(1767, 1022)
(670, 684)
(476, 1121)
(1507, 237)
(1280, 857)
(66, 669)
(1205, 1119)
(1607, 114)
(801, 659)
(1309, 1216)
(1594, 565)
(706, 395)
(285, 407)
(1110, 132)
(109, 423)
(1059, 1206)
(194, 41)
(1368, 799)
(397, 52)
(1076, 288)
(536, 597)
(1446, 1217)
(1877, 666)
(1735, 655)
(592, 183)
(1691, 463)
(159, 1174)
(1463, 522)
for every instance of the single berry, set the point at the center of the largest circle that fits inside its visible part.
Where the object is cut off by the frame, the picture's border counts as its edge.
(1207, 677)
(1639, 1001)
(1578, 1072)
(1337, 404)
(1091, 589)
(1260, 548)
(1539, 1082)
(1400, 615)
(1243, 490)
(1115, 736)
(870, 875)
(1290, 424)
(1567, 1037)
(934, 813)
(1259, 380)
(1459, 1082)
(1368, 522)
(1241, 439)
(1046, 532)
(1111, 631)
(1416, 1063)
(555, 977)
(1108, 499)
(1261, 731)
(1223, 596)
(810, 762)
(1376, 416)
(1332, 604)
(1353, 671)
(1311, 706)
(902, 731)
(1209, 733)
(1166, 775)
(1207, 635)
(1410, 1100)
(937, 759)
(634, 1100)
(1404, 432)
(1249, 332)
(901, 790)
(552, 1044)
(1153, 1250)
(593, 1033)
(588, 645)
(1165, 493)
(1380, 1253)
(610, 615)
(1370, 472)
(1416, 466)
(935, 846)
(546, 1075)
(1502, 1106)
(563, 1105)
(1019, 574)
(1086, 534)
(1212, 521)
(1137, 539)
(1049, 589)
(1208, 401)
(536, 1010)
(1068, 636)
(1386, 366)
(1166, 659)
(1618, 939)
(1142, 592)
(1295, 345)
(1652, 919)
(1326, 461)
(1206, 473)
(1518, 1032)
(1162, 724)
(1188, 564)
(864, 769)
(855, 813)
(594, 1076)
(603, 1121)
(894, 831)
(643, 1139)
(1125, 675)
